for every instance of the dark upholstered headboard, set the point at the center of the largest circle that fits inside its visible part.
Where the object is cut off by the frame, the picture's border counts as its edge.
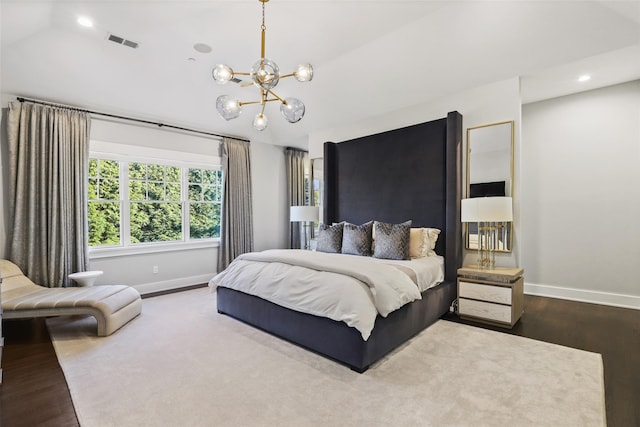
(409, 173)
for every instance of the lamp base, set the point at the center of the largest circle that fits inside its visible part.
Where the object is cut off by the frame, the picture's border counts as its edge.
(486, 245)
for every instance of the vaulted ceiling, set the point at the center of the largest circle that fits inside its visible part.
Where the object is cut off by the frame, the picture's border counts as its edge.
(370, 57)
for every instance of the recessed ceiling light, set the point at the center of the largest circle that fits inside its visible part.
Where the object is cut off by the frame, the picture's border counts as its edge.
(85, 22)
(584, 78)
(202, 47)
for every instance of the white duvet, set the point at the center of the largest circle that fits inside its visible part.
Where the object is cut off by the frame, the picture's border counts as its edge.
(348, 288)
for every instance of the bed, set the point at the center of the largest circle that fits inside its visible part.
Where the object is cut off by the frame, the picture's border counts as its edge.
(409, 173)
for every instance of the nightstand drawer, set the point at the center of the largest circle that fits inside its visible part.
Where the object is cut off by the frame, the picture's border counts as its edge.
(483, 292)
(484, 310)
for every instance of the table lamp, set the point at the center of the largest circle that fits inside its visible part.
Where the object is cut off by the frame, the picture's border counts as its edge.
(487, 212)
(305, 215)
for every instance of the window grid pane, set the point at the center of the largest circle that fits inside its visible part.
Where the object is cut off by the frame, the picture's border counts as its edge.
(155, 222)
(104, 206)
(104, 223)
(204, 207)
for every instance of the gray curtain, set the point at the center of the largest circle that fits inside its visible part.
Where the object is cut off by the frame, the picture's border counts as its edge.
(295, 160)
(48, 166)
(236, 230)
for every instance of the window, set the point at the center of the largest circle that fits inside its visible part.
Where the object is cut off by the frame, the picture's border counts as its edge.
(134, 203)
(155, 203)
(104, 202)
(205, 197)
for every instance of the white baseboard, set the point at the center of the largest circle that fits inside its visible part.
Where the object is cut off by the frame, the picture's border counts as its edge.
(147, 288)
(594, 297)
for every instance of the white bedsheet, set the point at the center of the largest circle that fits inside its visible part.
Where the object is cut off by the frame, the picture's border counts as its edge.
(428, 271)
(347, 288)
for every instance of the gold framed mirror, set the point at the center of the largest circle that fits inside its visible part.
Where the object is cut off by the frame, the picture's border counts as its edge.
(490, 173)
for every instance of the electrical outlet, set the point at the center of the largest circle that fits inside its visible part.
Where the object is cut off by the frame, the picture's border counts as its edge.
(155, 269)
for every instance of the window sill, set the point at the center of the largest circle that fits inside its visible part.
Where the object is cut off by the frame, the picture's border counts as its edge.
(98, 253)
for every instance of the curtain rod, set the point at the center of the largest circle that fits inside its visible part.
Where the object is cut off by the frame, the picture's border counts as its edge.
(296, 149)
(115, 116)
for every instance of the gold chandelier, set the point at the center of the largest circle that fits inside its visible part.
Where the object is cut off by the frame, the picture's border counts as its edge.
(265, 75)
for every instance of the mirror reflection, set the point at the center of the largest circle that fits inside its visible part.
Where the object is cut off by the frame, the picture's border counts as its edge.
(490, 173)
(317, 187)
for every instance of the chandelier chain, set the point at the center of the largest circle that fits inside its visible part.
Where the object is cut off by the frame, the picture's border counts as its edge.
(263, 26)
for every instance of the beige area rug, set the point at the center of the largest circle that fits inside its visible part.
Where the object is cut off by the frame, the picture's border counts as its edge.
(182, 364)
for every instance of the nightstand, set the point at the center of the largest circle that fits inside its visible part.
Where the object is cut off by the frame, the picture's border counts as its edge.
(493, 296)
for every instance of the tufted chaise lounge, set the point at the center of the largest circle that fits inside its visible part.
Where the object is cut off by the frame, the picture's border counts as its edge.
(112, 306)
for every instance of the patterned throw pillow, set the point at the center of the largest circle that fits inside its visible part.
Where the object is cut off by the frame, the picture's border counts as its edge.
(356, 239)
(392, 240)
(330, 238)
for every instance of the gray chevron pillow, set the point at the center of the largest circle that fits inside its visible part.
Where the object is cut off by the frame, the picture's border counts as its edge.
(330, 238)
(356, 239)
(392, 240)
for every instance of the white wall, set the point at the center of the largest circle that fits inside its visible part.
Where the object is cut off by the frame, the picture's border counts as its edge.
(192, 266)
(492, 103)
(581, 196)
(175, 269)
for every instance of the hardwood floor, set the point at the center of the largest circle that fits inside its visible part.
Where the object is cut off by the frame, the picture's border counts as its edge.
(34, 391)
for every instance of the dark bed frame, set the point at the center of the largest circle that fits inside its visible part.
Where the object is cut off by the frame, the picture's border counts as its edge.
(408, 173)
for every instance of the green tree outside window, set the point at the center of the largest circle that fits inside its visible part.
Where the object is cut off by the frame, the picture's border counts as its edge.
(160, 204)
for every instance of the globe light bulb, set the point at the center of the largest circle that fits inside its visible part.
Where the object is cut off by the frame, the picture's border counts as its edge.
(222, 73)
(292, 109)
(227, 107)
(303, 73)
(260, 122)
(265, 74)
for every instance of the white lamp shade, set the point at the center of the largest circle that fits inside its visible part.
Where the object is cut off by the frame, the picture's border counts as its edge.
(497, 209)
(487, 209)
(469, 210)
(304, 213)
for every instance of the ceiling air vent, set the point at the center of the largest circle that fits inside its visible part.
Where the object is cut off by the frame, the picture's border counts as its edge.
(122, 41)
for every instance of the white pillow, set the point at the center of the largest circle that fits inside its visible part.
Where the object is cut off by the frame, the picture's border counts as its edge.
(431, 235)
(422, 242)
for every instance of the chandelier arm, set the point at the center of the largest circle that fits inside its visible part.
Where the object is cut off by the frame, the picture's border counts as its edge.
(284, 76)
(263, 97)
(249, 102)
(277, 97)
(259, 102)
(241, 73)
